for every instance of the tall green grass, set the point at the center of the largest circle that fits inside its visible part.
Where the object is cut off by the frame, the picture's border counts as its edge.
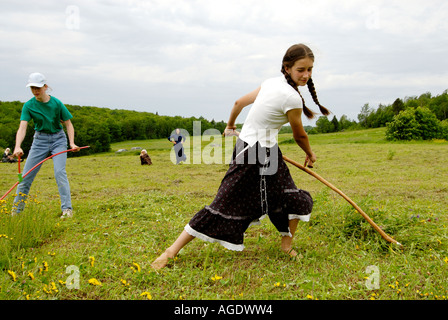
(29, 229)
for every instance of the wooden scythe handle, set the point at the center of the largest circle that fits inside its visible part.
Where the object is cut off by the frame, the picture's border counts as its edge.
(369, 220)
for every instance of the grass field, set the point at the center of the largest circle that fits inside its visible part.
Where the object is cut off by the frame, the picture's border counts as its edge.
(127, 214)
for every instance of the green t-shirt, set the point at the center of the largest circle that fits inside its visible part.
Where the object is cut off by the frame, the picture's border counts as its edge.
(46, 116)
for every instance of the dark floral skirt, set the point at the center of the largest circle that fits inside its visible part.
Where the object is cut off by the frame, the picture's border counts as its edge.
(257, 183)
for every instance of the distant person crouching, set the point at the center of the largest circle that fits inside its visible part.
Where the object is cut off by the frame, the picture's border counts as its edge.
(145, 158)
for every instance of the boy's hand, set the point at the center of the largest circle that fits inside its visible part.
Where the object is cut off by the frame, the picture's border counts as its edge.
(18, 152)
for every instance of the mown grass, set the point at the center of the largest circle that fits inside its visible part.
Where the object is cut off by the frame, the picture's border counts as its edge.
(127, 214)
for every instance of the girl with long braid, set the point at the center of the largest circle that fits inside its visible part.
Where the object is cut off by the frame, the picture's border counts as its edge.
(258, 182)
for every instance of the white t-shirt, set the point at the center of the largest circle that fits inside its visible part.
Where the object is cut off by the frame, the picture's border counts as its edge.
(268, 113)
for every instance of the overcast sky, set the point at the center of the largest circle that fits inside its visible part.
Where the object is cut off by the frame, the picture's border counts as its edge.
(195, 58)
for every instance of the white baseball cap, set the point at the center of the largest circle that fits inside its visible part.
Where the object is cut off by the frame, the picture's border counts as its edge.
(36, 80)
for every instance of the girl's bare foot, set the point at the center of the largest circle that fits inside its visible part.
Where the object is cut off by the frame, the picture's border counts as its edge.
(292, 253)
(160, 262)
(172, 251)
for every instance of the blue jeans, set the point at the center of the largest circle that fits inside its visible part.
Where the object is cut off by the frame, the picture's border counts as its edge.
(43, 144)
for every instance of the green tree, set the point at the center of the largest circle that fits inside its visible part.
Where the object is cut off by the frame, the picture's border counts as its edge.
(323, 125)
(398, 106)
(383, 115)
(428, 124)
(444, 130)
(414, 124)
(335, 124)
(439, 106)
(364, 115)
(345, 123)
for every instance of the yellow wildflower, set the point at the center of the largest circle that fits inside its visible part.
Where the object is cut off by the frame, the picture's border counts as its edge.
(46, 289)
(137, 266)
(124, 282)
(92, 261)
(31, 275)
(45, 265)
(147, 294)
(216, 277)
(53, 287)
(94, 282)
(13, 275)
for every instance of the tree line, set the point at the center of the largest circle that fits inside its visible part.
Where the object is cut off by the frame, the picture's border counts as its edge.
(411, 118)
(99, 127)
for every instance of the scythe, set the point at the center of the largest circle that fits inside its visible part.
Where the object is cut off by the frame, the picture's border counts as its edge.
(20, 174)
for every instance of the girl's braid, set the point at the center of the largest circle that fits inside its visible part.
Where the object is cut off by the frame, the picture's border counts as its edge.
(313, 93)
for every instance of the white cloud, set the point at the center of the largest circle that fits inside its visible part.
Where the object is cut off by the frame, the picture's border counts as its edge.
(368, 79)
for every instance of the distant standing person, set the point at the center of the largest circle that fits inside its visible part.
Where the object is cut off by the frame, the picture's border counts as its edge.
(47, 113)
(145, 158)
(177, 139)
